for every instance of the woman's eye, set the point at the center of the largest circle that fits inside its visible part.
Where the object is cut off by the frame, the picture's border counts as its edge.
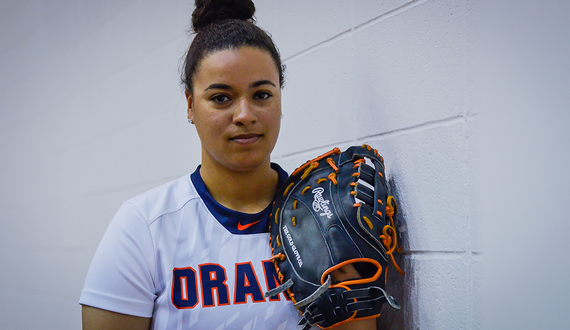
(262, 95)
(220, 98)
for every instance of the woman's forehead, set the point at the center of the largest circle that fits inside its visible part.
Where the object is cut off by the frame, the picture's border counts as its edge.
(242, 65)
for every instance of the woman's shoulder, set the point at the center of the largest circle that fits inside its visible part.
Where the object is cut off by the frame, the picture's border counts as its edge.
(166, 198)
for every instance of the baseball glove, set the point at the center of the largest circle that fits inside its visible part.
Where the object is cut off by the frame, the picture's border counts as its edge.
(332, 212)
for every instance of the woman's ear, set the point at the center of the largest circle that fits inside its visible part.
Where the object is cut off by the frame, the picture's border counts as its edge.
(189, 109)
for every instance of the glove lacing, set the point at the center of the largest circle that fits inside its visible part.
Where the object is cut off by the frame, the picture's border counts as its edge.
(389, 236)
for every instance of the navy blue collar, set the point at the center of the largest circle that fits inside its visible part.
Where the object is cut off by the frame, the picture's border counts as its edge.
(237, 223)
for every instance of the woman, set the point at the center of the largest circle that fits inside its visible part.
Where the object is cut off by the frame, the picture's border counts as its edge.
(194, 253)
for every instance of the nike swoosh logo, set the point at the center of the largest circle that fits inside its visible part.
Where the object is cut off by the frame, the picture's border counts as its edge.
(244, 227)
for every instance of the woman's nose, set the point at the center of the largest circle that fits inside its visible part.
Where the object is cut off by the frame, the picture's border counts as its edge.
(244, 113)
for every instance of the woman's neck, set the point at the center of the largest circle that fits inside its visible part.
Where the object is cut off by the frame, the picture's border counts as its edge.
(244, 191)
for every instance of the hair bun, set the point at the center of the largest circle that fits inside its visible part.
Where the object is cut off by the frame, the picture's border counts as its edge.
(210, 11)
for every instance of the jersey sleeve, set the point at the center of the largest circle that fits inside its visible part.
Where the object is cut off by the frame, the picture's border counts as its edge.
(120, 278)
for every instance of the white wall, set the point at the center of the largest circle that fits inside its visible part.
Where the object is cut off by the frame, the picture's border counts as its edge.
(521, 91)
(467, 101)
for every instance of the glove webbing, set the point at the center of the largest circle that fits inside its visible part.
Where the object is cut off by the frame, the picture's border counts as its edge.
(314, 296)
(279, 289)
(344, 305)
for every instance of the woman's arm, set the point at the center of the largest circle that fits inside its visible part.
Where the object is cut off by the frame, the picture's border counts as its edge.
(368, 324)
(99, 319)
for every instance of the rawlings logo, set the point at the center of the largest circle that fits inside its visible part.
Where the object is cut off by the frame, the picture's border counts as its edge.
(293, 247)
(320, 204)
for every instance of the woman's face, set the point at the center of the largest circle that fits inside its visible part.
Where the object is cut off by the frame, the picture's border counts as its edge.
(236, 107)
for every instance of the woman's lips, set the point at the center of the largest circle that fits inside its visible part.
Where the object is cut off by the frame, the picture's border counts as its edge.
(246, 138)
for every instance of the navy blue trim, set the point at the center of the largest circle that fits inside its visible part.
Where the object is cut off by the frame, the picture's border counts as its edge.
(230, 218)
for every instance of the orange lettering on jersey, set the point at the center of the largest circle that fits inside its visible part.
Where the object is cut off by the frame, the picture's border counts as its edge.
(184, 288)
(247, 284)
(213, 279)
(215, 291)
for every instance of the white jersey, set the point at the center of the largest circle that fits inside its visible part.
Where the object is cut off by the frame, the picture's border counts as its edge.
(178, 256)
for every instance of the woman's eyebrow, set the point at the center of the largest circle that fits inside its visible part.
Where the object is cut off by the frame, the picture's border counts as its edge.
(218, 86)
(252, 85)
(261, 83)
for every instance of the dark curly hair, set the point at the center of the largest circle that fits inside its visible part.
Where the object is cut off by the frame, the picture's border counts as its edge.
(225, 24)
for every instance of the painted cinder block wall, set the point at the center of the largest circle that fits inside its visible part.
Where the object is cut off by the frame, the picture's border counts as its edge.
(466, 100)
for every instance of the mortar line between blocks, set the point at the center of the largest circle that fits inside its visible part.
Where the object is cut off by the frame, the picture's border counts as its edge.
(361, 26)
(312, 151)
(434, 255)
(389, 14)
(419, 127)
(410, 129)
(317, 46)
